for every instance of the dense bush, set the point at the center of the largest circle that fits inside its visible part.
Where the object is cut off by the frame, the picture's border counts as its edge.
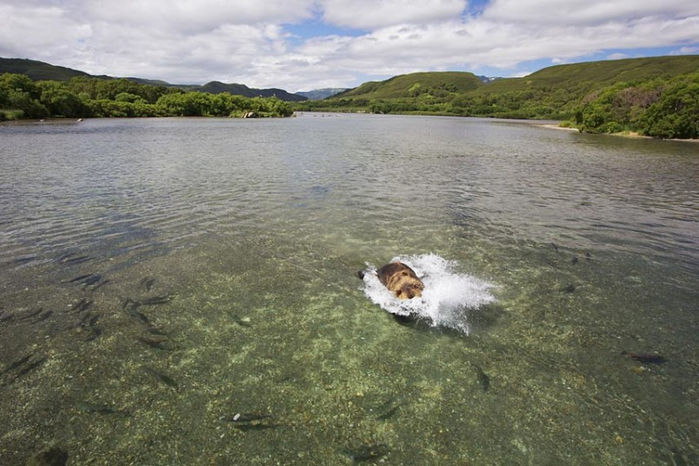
(657, 108)
(80, 97)
(676, 113)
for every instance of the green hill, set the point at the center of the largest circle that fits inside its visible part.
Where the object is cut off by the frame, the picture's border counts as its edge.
(38, 71)
(216, 87)
(594, 75)
(551, 93)
(414, 85)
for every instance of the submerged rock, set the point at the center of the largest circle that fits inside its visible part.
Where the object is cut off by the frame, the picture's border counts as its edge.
(54, 456)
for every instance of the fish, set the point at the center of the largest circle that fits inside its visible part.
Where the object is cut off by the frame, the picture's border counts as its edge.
(147, 283)
(94, 333)
(167, 380)
(242, 322)
(30, 367)
(388, 414)
(251, 421)
(262, 426)
(16, 364)
(246, 417)
(98, 409)
(88, 321)
(156, 300)
(82, 305)
(131, 308)
(646, 358)
(568, 289)
(154, 341)
(389, 408)
(483, 378)
(91, 280)
(79, 278)
(72, 259)
(368, 452)
(43, 317)
(31, 315)
(78, 260)
(155, 331)
(24, 260)
(99, 285)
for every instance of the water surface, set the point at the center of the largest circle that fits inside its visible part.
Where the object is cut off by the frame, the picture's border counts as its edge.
(184, 291)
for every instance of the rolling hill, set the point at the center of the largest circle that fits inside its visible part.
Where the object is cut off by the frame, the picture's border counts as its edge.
(216, 87)
(318, 94)
(593, 75)
(414, 84)
(550, 93)
(40, 71)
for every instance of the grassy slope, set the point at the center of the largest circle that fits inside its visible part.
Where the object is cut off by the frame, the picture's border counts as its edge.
(400, 86)
(551, 93)
(593, 75)
(574, 79)
(38, 71)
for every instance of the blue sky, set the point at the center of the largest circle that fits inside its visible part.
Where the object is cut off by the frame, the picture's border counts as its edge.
(309, 44)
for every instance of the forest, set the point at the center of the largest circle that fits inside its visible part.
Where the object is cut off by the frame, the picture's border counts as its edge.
(83, 97)
(657, 108)
(656, 96)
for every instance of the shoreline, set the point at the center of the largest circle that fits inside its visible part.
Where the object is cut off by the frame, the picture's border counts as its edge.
(626, 134)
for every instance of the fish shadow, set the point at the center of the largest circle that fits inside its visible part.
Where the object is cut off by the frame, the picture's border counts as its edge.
(479, 320)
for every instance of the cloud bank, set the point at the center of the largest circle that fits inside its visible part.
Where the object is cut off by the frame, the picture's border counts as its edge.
(305, 44)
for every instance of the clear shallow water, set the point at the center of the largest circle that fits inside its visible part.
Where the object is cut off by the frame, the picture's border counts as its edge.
(184, 291)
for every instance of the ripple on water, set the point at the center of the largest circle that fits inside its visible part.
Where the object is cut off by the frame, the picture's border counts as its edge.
(448, 296)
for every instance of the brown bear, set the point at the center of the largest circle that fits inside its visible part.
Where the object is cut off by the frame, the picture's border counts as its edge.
(400, 280)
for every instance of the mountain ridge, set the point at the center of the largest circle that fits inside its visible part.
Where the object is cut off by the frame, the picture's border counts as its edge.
(41, 71)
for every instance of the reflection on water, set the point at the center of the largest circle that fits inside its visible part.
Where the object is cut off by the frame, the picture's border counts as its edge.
(184, 291)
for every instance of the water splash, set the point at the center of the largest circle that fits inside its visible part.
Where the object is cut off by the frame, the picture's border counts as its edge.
(447, 298)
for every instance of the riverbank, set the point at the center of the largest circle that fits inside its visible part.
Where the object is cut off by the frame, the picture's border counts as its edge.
(626, 134)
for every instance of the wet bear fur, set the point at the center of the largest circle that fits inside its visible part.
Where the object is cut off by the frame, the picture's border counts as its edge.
(401, 280)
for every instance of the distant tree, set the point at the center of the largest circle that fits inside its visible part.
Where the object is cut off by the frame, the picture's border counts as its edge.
(59, 101)
(676, 113)
(127, 97)
(18, 92)
(20, 83)
(658, 108)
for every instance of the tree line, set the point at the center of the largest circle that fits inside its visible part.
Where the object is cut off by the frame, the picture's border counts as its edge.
(83, 97)
(663, 107)
(657, 108)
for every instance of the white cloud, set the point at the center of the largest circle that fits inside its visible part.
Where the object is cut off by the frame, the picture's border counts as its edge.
(686, 51)
(576, 12)
(371, 14)
(247, 41)
(617, 56)
(194, 16)
(37, 31)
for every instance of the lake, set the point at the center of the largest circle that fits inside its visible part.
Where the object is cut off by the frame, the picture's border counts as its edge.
(185, 291)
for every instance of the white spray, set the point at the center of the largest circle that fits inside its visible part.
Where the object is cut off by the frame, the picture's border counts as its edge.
(446, 300)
